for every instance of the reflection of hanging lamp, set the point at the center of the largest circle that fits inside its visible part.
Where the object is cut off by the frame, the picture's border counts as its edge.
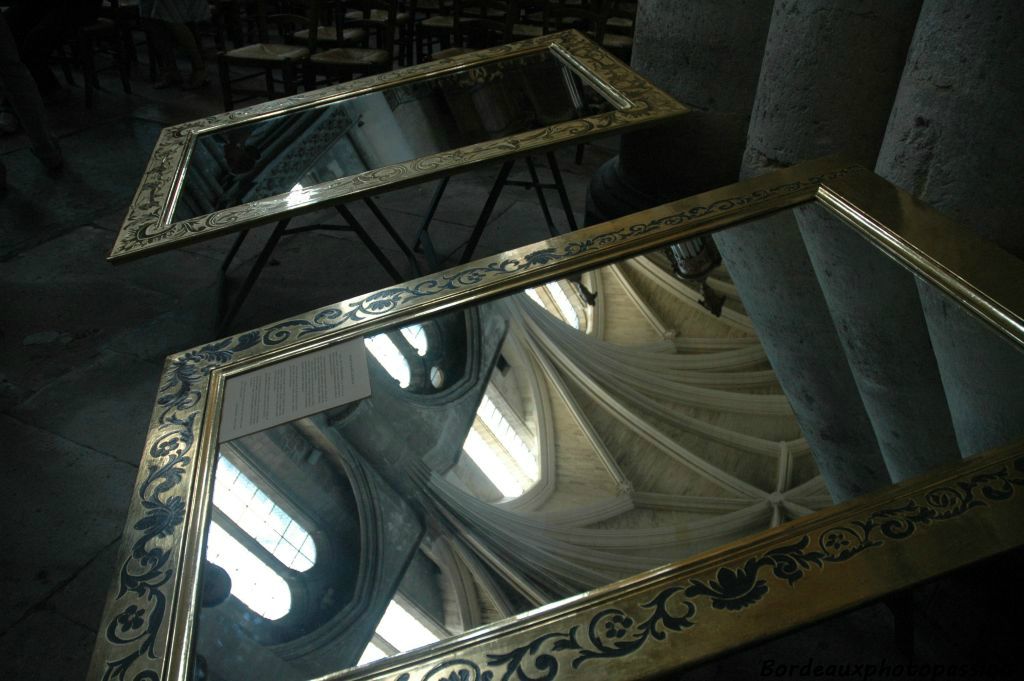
(692, 261)
(588, 296)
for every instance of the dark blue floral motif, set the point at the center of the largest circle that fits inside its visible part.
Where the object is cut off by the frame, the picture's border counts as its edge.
(736, 589)
(541, 257)
(144, 575)
(791, 561)
(612, 633)
(382, 302)
(617, 626)
(163, 516)
(546, 664)
(836, 541)
(132, 618)
(732, 589)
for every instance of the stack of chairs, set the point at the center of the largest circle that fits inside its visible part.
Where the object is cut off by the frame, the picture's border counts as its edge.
(302, 43)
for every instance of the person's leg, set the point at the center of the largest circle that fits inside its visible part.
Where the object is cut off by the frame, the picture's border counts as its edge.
(186, 40)
(38, 30)
(163, 45)
(23, 97)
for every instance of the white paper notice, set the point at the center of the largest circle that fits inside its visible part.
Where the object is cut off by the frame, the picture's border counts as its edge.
(295, 388)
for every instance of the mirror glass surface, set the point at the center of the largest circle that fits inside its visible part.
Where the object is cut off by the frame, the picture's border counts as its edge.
(397, 123)
(510, 454)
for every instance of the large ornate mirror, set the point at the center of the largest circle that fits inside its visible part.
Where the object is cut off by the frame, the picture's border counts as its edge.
(271, 161)
(564, 461)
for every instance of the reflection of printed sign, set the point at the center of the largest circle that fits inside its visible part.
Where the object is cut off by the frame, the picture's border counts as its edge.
(293, 389)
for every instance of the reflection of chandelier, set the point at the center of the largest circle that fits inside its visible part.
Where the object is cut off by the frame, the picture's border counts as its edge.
(692, 261)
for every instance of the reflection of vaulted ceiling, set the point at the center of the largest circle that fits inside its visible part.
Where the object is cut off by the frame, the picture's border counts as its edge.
(668, 435)
(660, 433)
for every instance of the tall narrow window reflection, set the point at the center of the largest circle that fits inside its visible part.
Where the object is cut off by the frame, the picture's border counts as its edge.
(251, 509)
(553, 298)
(252, 581)
(390, 357)
(499, 452)
(400, 630)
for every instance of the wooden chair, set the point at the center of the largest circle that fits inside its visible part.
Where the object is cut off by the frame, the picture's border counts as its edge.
(477, 24)
(437, 28)
(109, 33)
(328, 29)
(265, 57)
(345, 63)
(376, 21)
(591, 17)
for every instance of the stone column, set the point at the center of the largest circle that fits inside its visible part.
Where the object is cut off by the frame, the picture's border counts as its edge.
(955, 140)
(706, 54)
(829, 74)
(842, 105)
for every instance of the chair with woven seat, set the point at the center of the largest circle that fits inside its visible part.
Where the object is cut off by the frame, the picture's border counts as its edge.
(376, 20)
(109, 29)
(530, 23)
(591, 17)
(345, 63)
(478, 24)
(437, 29)
(489, 23)
(328, 29)
(266, 57)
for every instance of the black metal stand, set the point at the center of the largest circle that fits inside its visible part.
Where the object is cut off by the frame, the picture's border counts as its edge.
(228, 309)
(423, 238)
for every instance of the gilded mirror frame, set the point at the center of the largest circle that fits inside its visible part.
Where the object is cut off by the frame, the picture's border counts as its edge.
(674, 616)
(149, 226)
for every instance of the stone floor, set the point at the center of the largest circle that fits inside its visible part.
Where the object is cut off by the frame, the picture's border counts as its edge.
(82, 341)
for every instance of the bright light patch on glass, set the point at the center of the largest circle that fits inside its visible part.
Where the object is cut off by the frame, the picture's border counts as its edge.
(565, 307)
(497, 468)
(298, 195)
(402, 630)
(252, 582)
(532, 294)
(417, 337)
(390, 357)
(371, 654)
(507, 436)
(263, 520)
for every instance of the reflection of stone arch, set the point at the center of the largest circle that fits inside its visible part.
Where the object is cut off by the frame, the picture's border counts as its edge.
(433, 426)
(280, 462)
(384, 549)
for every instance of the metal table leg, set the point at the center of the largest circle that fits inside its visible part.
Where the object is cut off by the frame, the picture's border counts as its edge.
(355, 226)
(254, 273)
(389, 228)
(485, 214)
(423, 239)
(562, 193)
